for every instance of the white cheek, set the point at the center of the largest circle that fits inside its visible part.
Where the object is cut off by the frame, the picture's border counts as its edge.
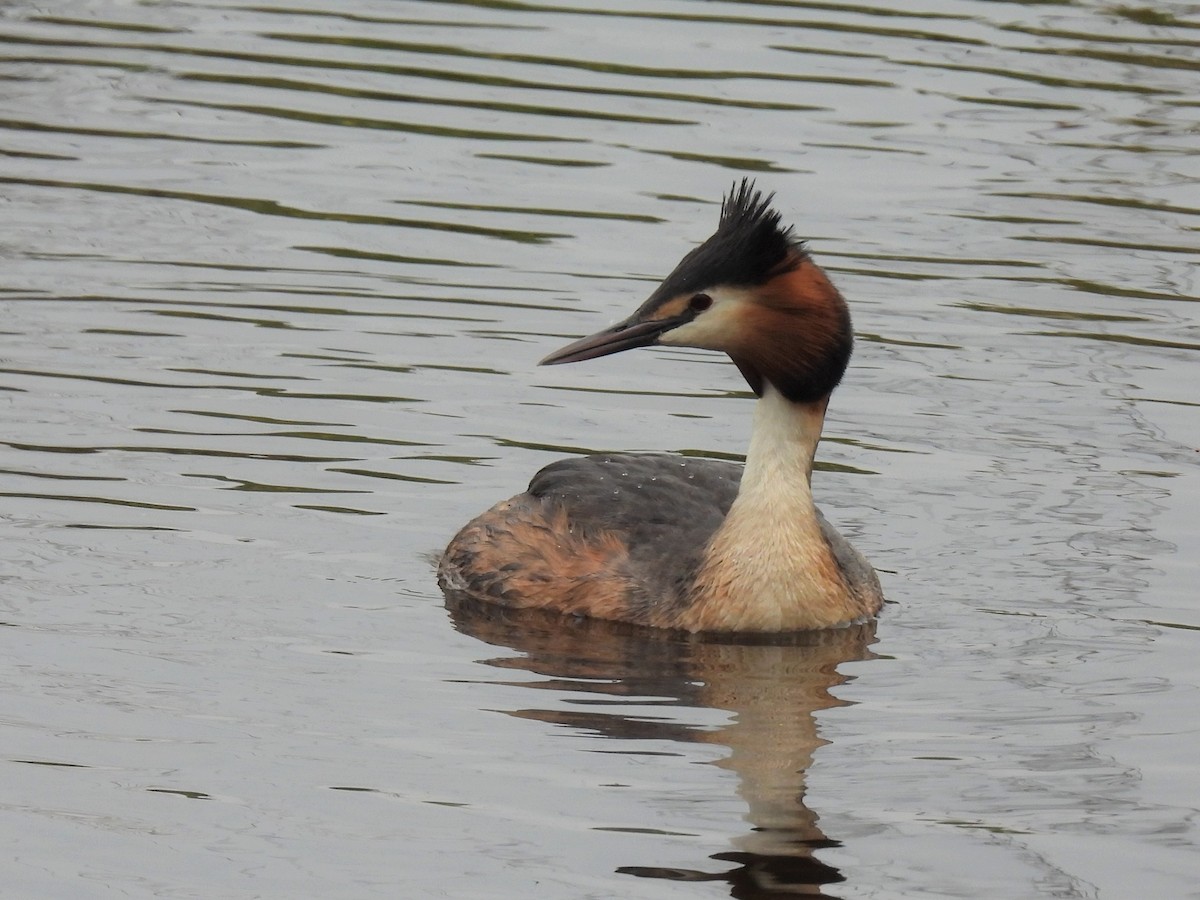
(713, 329)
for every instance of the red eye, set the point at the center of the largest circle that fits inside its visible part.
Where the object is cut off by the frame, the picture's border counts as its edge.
(700, 302)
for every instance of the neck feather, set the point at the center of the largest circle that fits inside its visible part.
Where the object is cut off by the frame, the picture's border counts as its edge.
(769, 567)
(783, 446)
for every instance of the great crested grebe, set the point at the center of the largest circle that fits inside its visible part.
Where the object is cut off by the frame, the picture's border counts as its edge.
(695, 544)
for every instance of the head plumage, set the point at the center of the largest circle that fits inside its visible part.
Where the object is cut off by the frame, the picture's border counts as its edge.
(745, 207)
(749, 247)
(774, 311)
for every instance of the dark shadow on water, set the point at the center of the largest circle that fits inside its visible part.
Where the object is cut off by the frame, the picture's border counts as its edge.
(773, 686)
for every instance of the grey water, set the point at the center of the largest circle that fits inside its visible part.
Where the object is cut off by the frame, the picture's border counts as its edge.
(274, 277)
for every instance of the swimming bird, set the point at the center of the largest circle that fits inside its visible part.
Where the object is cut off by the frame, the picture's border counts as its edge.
(693, 544)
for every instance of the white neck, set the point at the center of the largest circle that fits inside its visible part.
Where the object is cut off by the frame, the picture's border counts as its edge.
(783, 444)
(769, 567)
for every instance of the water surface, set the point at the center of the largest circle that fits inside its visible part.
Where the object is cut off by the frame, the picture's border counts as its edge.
(275, 279)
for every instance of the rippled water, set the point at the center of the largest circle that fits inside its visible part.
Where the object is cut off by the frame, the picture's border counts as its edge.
(274, 280)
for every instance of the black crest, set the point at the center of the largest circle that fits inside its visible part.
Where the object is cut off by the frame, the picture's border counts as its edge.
(749, 247)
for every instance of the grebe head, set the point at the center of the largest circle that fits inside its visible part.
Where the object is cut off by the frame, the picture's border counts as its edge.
(752, 291)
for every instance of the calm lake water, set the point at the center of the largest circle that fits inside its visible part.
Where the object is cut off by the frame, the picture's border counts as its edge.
(275, 278)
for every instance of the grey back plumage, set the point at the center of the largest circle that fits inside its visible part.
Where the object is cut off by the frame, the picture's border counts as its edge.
(666, 507)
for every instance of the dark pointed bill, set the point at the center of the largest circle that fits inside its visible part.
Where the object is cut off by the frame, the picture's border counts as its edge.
(622, 336)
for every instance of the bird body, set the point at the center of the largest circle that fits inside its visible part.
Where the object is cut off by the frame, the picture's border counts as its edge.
(692, 544)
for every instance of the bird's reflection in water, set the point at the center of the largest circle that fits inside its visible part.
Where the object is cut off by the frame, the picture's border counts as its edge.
(772, 685)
